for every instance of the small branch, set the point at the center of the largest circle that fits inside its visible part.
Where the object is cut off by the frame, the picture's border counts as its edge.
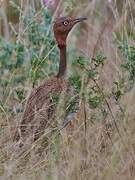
(5, 21)
(100, 35)
(113, 118)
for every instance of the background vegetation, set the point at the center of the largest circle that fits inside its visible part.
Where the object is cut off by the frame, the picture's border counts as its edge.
(101, 70)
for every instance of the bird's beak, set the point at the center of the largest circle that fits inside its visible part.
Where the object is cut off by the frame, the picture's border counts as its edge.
(80, 19)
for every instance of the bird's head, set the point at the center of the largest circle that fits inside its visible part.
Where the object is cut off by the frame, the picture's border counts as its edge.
(62, 26)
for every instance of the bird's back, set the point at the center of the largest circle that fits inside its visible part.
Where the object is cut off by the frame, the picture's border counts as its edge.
(39, 108)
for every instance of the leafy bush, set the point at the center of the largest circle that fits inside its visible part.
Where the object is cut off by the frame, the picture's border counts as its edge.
(15, 55)
(128, 52)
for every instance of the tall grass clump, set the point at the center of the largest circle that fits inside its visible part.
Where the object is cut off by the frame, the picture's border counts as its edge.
(93, 133)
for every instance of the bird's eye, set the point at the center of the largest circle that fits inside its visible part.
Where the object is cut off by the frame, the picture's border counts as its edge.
(65, 23)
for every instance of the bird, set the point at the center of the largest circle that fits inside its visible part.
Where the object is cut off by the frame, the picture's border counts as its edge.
(38, 113)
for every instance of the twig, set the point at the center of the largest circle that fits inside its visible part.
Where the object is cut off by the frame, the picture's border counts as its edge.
(100, 35)
(113, 118)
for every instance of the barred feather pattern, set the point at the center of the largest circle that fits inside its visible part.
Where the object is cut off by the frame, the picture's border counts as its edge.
(39, 111)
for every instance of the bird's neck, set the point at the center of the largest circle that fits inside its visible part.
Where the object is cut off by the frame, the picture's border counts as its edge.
(63, 61)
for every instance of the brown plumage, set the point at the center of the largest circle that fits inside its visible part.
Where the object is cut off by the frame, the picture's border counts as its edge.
(39, 109)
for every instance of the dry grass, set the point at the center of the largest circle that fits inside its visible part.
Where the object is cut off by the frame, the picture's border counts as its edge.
(72, 154)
